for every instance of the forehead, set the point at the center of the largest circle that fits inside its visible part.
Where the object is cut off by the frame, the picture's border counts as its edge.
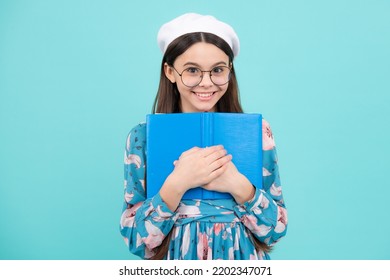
(202, 54)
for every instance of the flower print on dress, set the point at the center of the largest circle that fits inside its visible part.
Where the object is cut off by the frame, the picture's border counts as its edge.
(142, 184)
(155, 235)
(127, 218)
(161, 213)
(266, 172)
(128, 197)
(186, 240)
(268, 138)
(276, 190)
(282, 220)
(133, 159)
(203, 248)
(251, 222)
(186, 211)
(217, 228)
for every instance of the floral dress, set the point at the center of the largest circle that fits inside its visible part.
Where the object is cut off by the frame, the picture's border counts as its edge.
(201, 229)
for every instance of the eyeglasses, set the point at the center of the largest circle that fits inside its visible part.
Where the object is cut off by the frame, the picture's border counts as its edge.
(193, 76)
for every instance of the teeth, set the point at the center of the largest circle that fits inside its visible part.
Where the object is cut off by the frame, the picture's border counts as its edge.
(204, 94)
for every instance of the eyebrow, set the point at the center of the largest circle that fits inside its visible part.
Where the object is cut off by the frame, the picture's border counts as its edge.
(197, 65)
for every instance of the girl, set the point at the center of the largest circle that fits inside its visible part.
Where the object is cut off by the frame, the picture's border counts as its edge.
(197, 75)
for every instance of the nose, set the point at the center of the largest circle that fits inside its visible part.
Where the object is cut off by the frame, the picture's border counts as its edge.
(206, 79)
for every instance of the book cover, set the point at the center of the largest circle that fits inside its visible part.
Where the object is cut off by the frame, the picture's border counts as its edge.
(169, 135)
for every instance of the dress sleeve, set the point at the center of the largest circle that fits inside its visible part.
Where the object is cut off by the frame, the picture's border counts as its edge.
(265, 215)
(144, 222)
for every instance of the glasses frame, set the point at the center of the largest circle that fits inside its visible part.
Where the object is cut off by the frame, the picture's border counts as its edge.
(201, 77)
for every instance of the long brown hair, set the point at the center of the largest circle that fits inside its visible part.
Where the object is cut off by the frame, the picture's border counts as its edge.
(168, 101)
(168, 98)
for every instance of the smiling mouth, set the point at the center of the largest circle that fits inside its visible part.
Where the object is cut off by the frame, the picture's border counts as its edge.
(204, 94)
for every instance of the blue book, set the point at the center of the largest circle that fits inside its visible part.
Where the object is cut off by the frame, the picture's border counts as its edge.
(169, 135)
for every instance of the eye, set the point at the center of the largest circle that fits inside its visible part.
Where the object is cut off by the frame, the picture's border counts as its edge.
(192, 70)
(218, 70)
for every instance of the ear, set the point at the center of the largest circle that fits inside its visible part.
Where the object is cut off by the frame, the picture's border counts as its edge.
(169, 73)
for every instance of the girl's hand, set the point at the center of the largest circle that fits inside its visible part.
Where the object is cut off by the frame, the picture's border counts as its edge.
(195, 167)
(199, 166)
(233, 182)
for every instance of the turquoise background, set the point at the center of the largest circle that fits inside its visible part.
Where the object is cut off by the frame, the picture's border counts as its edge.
(76, 76)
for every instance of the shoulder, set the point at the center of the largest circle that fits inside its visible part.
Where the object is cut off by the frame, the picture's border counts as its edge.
(266, 126)
(139, 129)
(268, 137)
(136, 135)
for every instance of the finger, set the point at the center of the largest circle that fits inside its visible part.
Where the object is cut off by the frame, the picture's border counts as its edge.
(190, 151)
(216, 155)
(217, 164)
(209, 150)
(218, 172)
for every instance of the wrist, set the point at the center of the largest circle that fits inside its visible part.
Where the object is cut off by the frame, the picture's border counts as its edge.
(244, 191)
(171, 192)
(174, 185)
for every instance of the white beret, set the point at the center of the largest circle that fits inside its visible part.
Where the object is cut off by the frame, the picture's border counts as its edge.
(192, 22)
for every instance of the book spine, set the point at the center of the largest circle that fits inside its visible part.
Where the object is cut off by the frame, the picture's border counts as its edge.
(206, 127)
(206, 136)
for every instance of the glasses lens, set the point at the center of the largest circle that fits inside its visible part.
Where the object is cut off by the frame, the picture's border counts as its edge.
(220, 75)
(191, 76)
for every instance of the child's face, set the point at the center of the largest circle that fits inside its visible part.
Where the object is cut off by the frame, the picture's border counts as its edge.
(204, 96)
